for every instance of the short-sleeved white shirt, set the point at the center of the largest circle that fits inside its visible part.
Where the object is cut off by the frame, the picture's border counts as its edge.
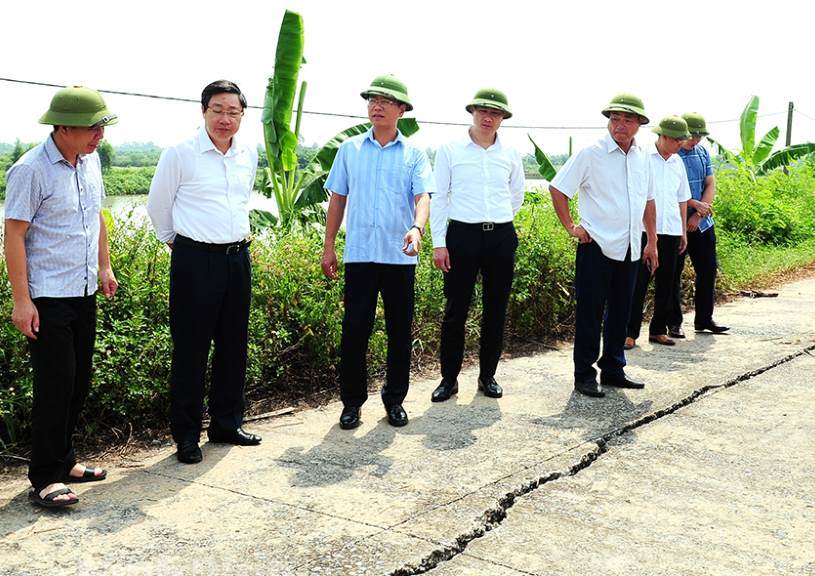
(612, 189)
(669, 184)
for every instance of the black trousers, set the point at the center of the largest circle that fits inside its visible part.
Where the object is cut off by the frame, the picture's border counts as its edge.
(363, 284)
(702, 252)
(210, 293)
(61, 359)
(668, 249)
(472, 250)
(603, 288)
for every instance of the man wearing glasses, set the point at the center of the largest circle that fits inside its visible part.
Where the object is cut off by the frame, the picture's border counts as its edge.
(701, 236)
(198, 204)
(479, 189)
(56, 251)
(610, 178)
(384, 184)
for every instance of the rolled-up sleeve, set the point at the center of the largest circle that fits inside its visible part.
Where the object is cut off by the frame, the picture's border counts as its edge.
(517, 182)
(163, 190)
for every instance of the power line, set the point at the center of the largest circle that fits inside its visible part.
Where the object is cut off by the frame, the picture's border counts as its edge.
(807, 116)
(365, 118)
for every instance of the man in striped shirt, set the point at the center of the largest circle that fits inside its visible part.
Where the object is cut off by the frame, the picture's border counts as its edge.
(57, 253)
(701, 236)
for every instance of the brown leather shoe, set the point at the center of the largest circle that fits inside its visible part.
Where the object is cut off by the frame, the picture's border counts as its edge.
(662, 339)
(629, 343)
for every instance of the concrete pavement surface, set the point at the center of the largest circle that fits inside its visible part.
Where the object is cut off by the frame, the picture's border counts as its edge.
(709, 470)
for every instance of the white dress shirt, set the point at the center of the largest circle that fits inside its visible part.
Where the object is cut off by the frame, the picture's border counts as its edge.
(201, 193)
(613, 189)
(474, 184)
(669, 184)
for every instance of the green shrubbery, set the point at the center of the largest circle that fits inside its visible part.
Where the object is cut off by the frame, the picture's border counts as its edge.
(127, 181)
(296, 313)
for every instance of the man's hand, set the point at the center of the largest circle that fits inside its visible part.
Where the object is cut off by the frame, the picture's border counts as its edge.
(108, 282)
(580, 233)
(329, 263)
(693, 222)
(683, 243)
(26, 318)
(413, 242)
(702, 208)
(651, 257)
(441, 258)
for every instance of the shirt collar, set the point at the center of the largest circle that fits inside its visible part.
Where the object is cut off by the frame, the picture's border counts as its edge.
(468, 140)
(400, 138)
(654, 151)
(55, 156)
(205, 143)
(611, 145)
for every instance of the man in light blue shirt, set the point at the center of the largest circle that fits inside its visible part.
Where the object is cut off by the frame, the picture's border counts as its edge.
(384, 184)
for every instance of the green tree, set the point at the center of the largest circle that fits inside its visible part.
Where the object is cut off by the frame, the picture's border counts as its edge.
(106, 155)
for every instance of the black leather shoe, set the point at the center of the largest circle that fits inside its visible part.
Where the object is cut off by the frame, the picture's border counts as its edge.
(350, 417)
(676, 332)
(237, 437)
(397, 415)
(589, 388)
(444, 390)
(621, 381)
(712, 327)
(188, 452)
(490, 387)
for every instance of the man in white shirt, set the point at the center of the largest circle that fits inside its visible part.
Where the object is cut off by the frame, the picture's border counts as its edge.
(669, 183)
(198, 204)
(611, 177)
(479, 189)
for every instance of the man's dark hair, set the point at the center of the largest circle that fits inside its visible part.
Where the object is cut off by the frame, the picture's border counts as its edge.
(221, 87)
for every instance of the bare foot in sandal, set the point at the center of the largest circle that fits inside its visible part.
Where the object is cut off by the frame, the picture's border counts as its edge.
(54, 496)
(81, 473)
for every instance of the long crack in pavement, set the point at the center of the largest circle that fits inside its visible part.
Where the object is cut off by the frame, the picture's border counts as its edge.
(494, 517)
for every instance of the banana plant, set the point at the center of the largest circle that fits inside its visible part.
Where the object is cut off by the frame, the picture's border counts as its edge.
(759, 159)
(283, 178)
(545, 167)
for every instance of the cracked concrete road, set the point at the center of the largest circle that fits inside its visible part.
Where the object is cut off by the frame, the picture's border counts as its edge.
(706, 471)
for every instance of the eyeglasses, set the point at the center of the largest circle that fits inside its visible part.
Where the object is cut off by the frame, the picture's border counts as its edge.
(381, 101)
(232, 113)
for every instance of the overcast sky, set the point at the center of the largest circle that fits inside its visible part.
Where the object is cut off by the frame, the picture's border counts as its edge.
(558, 62)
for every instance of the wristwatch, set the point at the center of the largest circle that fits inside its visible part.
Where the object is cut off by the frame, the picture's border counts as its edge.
(421, 232)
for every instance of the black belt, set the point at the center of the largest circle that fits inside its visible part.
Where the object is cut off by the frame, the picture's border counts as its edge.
(483, 226)
(231, 248)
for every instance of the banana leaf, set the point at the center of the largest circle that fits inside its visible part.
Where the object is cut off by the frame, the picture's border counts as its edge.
(731, 158)
(261, 219)
(545, 167)
(317, 170)
(765, 146)
(786, 156)
(747, 125)
(280, 94)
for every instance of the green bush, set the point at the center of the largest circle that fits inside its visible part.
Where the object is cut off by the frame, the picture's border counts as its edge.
(776, 209)
(126, 181)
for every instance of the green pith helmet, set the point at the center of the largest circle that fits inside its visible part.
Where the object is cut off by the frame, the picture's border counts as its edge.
(78, 106)
(673, 126)
(389, 86)
(626, 103)
(696, 123)
(490, 98)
